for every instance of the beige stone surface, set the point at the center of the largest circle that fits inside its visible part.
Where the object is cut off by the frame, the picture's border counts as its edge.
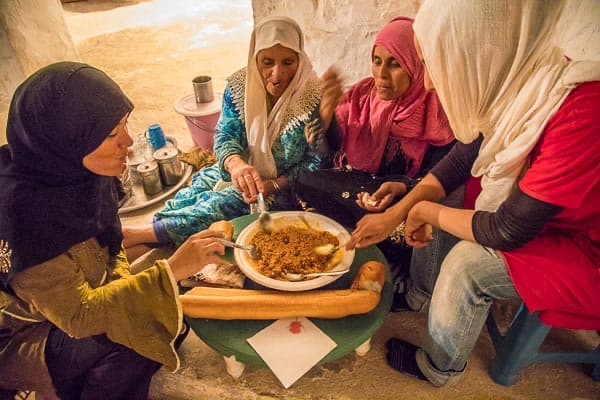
(153, 49)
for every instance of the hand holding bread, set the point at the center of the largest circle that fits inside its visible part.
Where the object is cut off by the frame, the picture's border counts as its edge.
(225, 227)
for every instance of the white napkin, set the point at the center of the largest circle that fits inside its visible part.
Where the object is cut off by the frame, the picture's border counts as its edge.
(290, 347)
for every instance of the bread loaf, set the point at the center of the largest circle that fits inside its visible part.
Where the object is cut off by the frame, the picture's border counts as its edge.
(225, 227)
(230, 304)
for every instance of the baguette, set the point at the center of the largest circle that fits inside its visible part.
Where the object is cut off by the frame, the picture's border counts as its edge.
(230, 304)
(270, 305)
(225, 227)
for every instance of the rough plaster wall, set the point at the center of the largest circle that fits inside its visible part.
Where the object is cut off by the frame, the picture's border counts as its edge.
(33, 33)
(338, 32)
(342, 31)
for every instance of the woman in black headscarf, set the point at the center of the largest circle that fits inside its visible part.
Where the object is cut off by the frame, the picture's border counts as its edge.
(72, 318)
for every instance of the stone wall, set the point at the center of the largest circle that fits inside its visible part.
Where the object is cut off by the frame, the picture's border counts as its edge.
(33, 33)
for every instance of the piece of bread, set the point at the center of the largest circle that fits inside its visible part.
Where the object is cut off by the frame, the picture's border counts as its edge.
(230, 304)
(225, 227)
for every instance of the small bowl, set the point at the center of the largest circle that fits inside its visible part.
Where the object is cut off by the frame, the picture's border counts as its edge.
(280, 219)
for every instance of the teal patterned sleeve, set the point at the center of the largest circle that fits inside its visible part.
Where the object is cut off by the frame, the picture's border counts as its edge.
(309, 161)
(230, 133)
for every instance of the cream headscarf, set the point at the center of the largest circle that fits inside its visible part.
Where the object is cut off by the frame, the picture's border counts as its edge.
(262, 128)
(497, 70)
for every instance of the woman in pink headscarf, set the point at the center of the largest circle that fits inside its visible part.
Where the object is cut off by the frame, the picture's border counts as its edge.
(388, 131)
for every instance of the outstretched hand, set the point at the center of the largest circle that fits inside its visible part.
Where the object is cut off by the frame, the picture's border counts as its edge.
(371, 229)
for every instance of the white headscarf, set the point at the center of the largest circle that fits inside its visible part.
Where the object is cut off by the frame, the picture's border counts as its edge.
(497, 70)
(262, 128)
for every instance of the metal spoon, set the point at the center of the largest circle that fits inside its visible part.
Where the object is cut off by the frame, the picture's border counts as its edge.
(265, 222)
(294, 277)
(253, 251)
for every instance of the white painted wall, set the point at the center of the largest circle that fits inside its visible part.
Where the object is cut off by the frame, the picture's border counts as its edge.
(339, 32)
(342, 31)
(33, 33)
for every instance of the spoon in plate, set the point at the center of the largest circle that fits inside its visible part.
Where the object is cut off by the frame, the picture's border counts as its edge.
(253, 251)
(264, 219)
(295, 277)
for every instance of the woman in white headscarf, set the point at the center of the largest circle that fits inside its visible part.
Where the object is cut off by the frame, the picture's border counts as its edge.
(527, 121)
(260, 140)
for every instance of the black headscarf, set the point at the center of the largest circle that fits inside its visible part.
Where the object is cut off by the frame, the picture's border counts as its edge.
(48, 200)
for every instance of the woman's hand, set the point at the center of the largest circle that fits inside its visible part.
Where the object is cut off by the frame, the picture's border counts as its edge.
(245, 177)
(331, 85)
(417, 231)
(371, 229)
(382, 198)
(199, 250)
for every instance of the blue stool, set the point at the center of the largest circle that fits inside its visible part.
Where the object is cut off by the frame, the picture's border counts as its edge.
(519, 348)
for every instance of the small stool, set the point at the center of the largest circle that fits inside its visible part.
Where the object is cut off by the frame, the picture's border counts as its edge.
(519, 347)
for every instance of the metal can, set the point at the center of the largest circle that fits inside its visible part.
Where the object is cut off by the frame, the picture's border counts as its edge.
(170, 166)
(150, 177)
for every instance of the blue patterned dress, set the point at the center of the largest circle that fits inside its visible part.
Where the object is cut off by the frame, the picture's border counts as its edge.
(197, 206)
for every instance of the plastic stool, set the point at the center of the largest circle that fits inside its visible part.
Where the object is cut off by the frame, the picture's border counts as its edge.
(519, 348)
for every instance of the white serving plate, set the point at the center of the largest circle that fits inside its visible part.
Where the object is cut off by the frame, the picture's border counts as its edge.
(316, 221)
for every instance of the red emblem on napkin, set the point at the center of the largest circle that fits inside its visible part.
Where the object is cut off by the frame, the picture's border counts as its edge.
(295, 327)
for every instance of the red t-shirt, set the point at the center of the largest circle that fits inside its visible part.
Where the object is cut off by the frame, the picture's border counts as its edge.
(558, 272)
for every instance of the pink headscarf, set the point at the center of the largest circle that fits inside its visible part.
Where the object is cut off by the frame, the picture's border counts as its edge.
(416, 118)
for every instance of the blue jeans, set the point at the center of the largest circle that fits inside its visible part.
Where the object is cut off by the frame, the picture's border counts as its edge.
(468, 279)
(425, 263)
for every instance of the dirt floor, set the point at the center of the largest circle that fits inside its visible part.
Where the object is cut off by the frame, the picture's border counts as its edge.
(153, 49)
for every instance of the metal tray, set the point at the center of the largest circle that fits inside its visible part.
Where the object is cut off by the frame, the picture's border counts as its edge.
(139, 199)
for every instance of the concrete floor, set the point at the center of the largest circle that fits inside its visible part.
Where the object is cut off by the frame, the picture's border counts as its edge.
(153, 48)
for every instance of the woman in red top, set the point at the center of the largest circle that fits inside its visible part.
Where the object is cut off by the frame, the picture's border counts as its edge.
(527, 122)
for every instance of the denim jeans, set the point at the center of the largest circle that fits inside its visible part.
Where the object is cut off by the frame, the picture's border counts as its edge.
(469, 278)
(425, 262)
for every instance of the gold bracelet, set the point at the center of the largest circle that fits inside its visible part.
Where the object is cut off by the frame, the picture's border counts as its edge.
(398, 233)
(275, 185)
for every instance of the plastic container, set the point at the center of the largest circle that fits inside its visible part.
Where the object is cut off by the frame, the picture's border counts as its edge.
(156, 136)
(201, 118)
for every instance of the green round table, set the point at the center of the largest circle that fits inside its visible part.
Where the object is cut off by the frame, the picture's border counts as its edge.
(228, 337)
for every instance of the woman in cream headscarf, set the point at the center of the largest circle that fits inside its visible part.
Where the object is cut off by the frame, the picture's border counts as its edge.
(260, 142)
(528, 124)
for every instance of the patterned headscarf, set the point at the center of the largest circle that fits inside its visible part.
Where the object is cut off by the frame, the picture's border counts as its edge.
(263, 128)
